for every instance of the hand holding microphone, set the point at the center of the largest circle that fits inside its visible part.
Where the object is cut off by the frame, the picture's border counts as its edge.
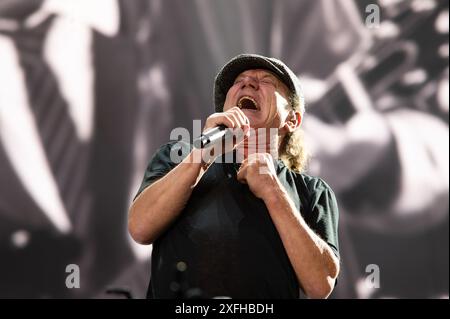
(219, 128)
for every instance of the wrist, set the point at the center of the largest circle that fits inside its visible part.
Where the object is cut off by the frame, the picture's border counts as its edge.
(200, 158)
(274, 191)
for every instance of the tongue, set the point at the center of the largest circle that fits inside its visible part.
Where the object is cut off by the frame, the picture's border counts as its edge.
(248, 104)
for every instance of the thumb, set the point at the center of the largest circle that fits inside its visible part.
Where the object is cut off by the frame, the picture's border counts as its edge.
(246, 129)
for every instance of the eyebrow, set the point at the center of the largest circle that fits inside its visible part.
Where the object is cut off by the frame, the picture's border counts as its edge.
(273, 77)
(267, 75)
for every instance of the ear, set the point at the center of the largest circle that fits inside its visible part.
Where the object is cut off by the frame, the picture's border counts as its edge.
(293, 121)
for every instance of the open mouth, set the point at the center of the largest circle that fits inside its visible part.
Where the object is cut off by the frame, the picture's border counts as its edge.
(247, 103)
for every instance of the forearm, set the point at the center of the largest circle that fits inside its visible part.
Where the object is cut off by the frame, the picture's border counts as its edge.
(161, 203)
(314, 262)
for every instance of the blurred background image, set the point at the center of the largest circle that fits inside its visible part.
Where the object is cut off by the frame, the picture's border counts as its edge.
(90, 89)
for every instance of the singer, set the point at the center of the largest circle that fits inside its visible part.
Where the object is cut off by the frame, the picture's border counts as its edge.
(259, 228)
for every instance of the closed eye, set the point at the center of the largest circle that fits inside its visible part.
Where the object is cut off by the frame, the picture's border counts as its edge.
(268, 80)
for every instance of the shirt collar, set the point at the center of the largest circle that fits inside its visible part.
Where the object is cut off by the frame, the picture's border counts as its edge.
(278, 163)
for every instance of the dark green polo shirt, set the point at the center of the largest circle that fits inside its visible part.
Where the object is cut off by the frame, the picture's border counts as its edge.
(226, 237)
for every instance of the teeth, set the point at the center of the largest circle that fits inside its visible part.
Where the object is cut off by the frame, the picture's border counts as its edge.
(247, 98)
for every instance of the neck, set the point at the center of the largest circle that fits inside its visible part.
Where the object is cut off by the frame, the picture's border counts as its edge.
(262, 140)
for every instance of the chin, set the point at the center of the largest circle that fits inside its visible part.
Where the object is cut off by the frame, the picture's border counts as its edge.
(253, 115)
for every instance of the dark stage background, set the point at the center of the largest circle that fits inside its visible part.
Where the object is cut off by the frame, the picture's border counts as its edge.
(90, 89)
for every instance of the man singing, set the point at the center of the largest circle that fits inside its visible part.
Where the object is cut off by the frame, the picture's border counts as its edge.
(255, 228)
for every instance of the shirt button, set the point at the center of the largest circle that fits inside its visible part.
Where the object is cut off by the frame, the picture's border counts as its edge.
(229, 175)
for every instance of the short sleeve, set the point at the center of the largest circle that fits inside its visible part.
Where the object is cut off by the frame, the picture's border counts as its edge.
(167, 157)
(324, 214)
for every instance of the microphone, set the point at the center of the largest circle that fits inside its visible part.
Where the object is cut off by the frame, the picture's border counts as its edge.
(213, 136)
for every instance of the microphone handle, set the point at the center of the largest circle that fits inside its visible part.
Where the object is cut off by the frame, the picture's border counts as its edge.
(210, 137)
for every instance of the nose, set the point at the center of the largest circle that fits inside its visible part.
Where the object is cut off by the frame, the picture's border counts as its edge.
(250, 81)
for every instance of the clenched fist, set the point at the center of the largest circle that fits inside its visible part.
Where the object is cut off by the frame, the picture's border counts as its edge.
(235, 120)
(258, 171)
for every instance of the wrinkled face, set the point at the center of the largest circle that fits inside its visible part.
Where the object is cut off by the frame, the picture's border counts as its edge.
(261, 96)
